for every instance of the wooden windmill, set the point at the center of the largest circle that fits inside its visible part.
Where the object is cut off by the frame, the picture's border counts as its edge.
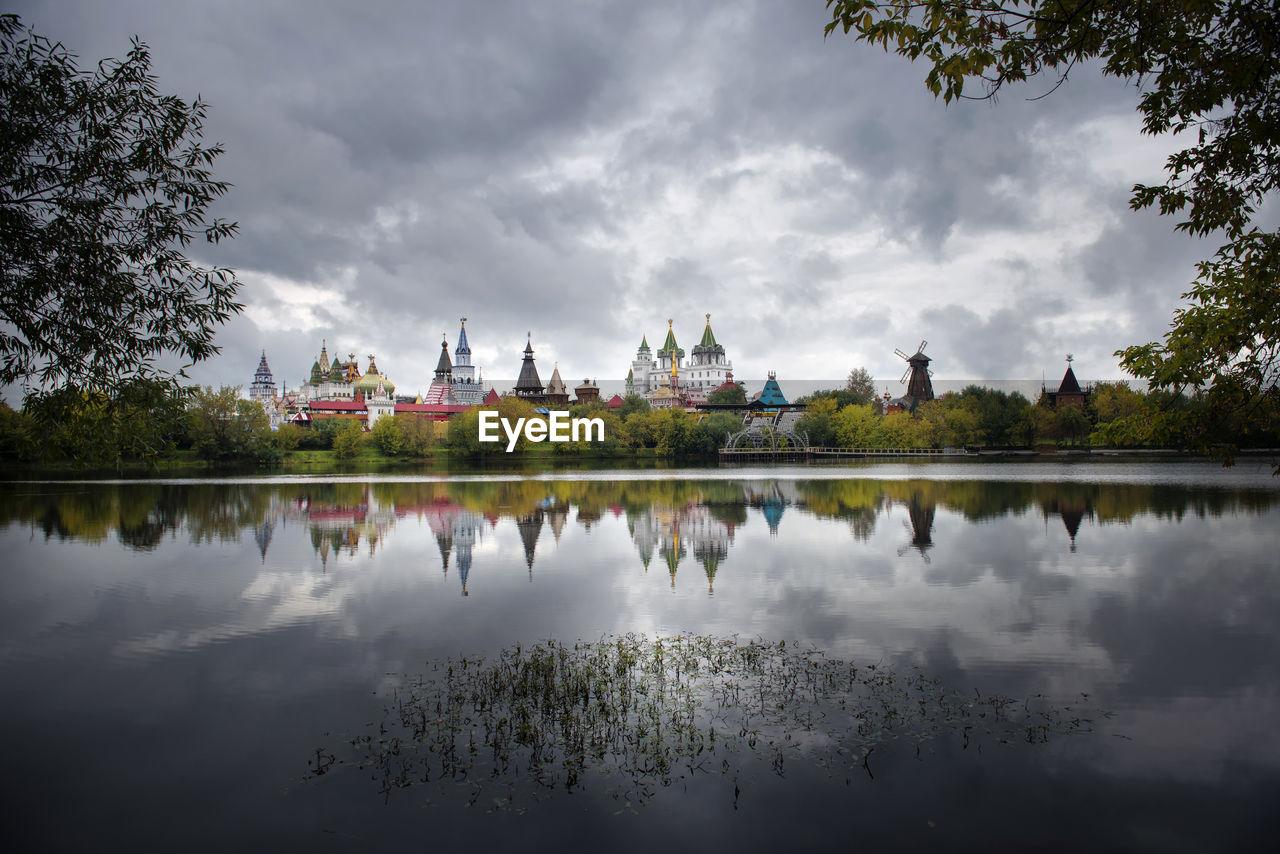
(919, 388)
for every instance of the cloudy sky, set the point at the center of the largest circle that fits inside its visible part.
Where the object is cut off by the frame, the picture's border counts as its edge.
(586, 170)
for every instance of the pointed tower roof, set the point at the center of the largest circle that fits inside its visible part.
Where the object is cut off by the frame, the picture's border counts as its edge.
(772, 393)
(708, 338)
(555, 385)
(670, 343)
(630, 375)
(463, 348)
(528, 384)
(1070, 385)
(444, 368)
(491, 399)
(644, 342)
(324, 354)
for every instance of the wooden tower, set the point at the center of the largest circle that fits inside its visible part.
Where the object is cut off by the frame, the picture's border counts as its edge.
(919, 387)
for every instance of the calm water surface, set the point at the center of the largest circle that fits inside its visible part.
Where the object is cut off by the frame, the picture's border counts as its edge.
(173, 653)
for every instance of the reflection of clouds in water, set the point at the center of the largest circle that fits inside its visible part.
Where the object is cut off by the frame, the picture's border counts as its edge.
(1167, 593)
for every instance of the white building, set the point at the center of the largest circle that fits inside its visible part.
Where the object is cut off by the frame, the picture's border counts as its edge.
(707, 370)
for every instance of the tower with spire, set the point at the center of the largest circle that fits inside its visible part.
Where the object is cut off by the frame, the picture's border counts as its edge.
(641, 366)
(557, 393)
(528, 385)
(467, 389)
(263, 388)
(709, 369)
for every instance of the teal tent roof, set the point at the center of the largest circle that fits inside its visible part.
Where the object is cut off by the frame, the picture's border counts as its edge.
(772, 394)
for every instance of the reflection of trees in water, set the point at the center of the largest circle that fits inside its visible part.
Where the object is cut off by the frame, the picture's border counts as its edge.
(143, 514)
(645, 713)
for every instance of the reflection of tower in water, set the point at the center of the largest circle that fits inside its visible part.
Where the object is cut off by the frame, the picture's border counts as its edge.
(530, 526)
(673, 531)
(920, 512)
(456, 530)
(1073, 510)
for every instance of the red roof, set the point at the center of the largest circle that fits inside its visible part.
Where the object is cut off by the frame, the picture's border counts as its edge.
(337, 406)
(491, 398)
(437, 394)
(614, 402)
(431, 408)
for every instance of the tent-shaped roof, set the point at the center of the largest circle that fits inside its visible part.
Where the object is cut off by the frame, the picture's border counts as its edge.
(444, 367)
(615, 402)
(491, 399)
(1069, 383)
(708, 341)
(555, 385)
(670, 344)
(528, 383)
(772, 393)
(463, 348)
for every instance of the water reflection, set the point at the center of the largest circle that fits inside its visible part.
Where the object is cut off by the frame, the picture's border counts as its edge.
(669, 520)
(185, 646)
(644, 713)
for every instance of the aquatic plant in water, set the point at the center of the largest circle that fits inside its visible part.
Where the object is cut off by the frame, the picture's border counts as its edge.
(645, 712)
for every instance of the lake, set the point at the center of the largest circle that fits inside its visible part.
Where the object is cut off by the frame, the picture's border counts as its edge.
(952, 656)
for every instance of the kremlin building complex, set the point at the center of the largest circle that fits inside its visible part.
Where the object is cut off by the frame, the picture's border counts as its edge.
(337, 388)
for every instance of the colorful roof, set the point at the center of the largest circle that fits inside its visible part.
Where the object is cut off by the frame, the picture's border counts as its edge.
(440, 393)
(708, 338)
(644, 342)
(670, 343)
(337, 406)
(491, 399)
(772, 393)
(614, 402)
(368, 383)
(430, 408)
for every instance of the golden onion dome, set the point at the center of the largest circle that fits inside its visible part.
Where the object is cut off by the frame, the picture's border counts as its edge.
(367, 385)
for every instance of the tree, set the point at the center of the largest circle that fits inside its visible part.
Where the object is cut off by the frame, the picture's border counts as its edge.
(388, 435)
(104, 183)
(348, 439)
(223, 425)
(1209, 66)
(736, 393)
(861, 385)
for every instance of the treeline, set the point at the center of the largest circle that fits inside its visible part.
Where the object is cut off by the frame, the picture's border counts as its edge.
(142, 514)
(142, 421)
(149, 421)
(1114, 416)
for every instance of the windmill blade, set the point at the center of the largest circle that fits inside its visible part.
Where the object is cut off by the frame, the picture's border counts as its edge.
(900, 354)
(905, 374)
(920, 349)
